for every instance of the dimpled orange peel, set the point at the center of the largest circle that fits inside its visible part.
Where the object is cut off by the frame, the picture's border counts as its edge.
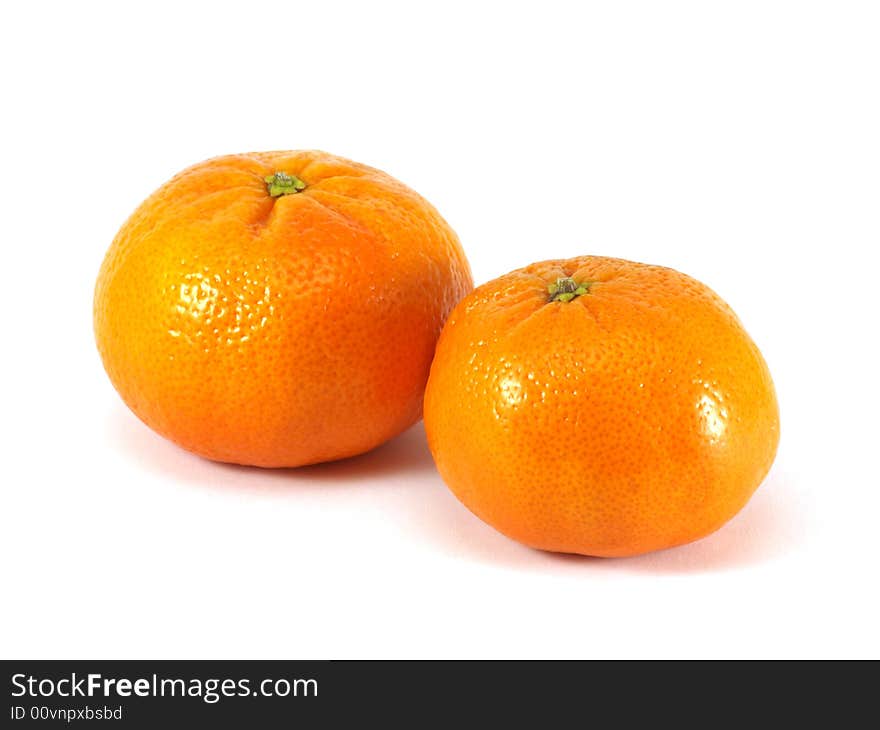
(600, 406)
(277, 308)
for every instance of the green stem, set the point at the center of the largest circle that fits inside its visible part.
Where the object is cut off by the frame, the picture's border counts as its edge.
(283, 183)
(565, 289)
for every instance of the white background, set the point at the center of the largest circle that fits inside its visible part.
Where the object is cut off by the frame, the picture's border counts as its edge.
(738, 142)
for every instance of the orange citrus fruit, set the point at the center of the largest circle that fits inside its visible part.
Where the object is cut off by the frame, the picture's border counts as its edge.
(277, 308)
(600, 406)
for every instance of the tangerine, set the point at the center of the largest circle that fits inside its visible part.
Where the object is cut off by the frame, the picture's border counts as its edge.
(277, 308)
(600, 406)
